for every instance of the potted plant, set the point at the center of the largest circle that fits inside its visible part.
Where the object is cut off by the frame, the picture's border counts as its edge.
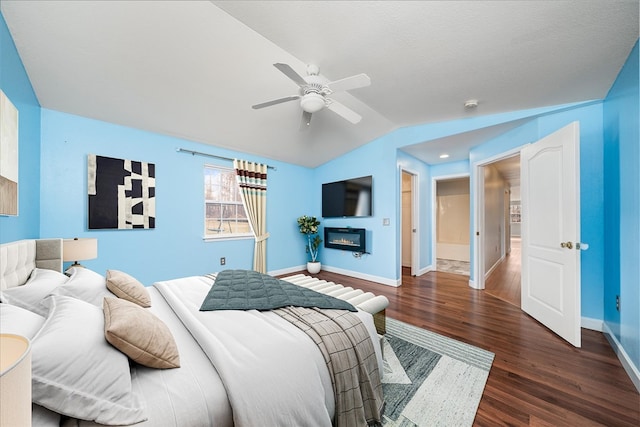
(309, 225)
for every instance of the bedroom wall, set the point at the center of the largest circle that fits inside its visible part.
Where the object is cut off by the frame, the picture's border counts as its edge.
(15, 83)
(622, 208)
(591, 186)
(175, 247)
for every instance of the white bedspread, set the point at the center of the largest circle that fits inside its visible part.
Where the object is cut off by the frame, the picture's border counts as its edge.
(273, 372)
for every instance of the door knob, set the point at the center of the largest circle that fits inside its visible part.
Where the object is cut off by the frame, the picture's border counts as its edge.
(567, 245)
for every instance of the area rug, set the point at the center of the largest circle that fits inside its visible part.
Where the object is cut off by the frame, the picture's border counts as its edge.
(429, 379)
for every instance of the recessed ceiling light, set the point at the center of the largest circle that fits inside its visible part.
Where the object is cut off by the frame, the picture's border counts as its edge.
(444, 156)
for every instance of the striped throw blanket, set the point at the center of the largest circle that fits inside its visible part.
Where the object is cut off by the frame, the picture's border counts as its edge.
(348, 351)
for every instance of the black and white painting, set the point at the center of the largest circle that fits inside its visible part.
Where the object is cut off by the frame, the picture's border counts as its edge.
(121, 193)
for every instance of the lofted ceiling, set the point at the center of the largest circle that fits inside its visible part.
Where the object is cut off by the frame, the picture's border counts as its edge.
(193, 69)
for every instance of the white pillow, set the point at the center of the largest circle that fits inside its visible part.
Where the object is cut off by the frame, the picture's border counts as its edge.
(17, 320)
(40, 284)
(76, 372)
(86, 285)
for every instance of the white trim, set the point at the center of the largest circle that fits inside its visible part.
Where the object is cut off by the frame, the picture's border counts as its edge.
(425, 270)
(593, 324)
(288, 270)
(359, 275)
(494, 266)
(624, 358)
(472, 284)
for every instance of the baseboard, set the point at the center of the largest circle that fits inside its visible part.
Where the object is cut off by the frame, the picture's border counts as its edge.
(624, 358)
(289, 270)
(494, 266)
(425, 270)
(593, 324)
(358, 275)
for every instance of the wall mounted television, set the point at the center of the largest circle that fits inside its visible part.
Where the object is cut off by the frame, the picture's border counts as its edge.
(347, 198)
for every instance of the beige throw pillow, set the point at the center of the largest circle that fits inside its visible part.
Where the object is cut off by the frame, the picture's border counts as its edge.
(126, 287)
(139, 334)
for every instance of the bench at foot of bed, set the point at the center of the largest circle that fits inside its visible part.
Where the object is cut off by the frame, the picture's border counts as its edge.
(365, 301)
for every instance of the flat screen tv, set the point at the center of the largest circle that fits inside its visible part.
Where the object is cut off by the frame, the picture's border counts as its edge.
(347, 198)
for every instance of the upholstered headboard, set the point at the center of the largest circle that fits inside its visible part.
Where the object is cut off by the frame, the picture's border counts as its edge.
(18, 259)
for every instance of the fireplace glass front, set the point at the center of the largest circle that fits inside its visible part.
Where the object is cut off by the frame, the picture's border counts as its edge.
(346, 239)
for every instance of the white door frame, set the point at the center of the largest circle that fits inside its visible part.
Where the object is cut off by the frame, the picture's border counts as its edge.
(415, 216)
(434, 213)
(478, 217)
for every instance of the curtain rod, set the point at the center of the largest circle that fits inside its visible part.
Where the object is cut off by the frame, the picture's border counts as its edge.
(193, 153)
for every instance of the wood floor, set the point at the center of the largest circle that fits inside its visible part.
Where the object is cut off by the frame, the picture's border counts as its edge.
(536, 378)
(504, 280)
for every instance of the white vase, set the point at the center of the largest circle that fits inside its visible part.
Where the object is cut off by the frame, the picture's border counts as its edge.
(314, 267)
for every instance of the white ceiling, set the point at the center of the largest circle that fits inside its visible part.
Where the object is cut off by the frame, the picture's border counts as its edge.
(193, 69)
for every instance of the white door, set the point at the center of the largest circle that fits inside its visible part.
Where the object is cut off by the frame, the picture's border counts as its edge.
(550, 192)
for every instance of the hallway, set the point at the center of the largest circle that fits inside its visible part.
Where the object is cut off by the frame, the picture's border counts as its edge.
(504, 280)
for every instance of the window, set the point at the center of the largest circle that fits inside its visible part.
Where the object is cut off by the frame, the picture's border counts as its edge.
(224, 215)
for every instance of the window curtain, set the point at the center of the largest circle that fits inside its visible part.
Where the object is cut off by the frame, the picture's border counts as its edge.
(252, 180)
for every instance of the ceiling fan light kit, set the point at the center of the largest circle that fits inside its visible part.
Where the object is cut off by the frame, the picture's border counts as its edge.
(314, 93)
(312, 102)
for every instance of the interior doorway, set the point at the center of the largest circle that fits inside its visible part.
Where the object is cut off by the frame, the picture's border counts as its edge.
(502, 222)
(409, 214)
(451, 224)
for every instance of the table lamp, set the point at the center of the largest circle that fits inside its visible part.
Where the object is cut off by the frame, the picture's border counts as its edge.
(79, 250)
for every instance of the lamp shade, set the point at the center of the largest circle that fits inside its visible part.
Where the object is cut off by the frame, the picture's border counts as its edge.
(79, 249)
(15, 380)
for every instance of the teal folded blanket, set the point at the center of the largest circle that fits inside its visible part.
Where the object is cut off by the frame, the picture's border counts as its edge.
(250, 290)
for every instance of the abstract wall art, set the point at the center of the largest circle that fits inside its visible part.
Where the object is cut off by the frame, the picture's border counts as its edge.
(121, 193)
(8, 157)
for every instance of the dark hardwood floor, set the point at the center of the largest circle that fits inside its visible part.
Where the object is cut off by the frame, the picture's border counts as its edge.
(504, 280)
(536, 379)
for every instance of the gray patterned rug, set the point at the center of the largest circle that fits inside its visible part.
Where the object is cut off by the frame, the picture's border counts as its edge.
(429, 379)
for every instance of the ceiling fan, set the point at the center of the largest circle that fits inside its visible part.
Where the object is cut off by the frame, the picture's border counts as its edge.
(314, 92)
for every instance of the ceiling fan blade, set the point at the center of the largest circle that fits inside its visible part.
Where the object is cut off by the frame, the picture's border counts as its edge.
(344, 112)
(275, 101)
(289, 72)
(306, 120)
(348, 83)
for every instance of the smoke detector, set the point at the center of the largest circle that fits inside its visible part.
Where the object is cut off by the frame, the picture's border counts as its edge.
(471, 104)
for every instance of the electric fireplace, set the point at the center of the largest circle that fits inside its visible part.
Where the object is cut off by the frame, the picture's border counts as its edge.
(346, 239)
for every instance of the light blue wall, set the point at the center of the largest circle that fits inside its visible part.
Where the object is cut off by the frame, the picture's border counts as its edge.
(378, 159)
(591, 200)
(175, 247)
(591, 186)
(15, 83)
(622, 211)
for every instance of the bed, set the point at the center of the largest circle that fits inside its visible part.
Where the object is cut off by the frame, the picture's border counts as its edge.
(108, 351)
